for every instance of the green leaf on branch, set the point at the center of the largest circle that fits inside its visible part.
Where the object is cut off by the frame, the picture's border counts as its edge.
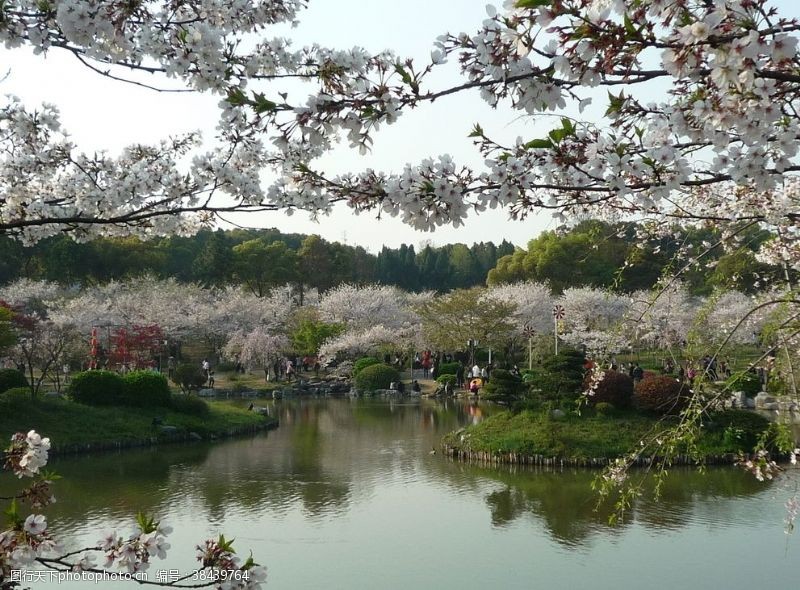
(49, 476)
(236, 97)
(147, 524)
(262, 104)
(226, 545)
(477, 131)
(615, 103)
(631, 30)
(532, 3)
(403, 74)
(539, 144)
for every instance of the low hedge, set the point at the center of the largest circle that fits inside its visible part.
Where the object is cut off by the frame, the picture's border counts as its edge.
(749, 383)
(145, 389)
(14, 395)
(187, 404)
(11, 378)
(375, 377)
(449, 369)
(746, 427)
(363, 363)
(447, 378)
(661, 394)
(615, 388)
(96, 388)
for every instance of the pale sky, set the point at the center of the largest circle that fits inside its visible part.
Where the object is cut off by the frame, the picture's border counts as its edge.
(103, 114)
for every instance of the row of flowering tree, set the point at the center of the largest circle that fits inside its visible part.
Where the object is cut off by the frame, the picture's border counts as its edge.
(56, 324)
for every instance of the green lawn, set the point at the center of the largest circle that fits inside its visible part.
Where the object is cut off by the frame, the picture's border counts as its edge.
(68, 423)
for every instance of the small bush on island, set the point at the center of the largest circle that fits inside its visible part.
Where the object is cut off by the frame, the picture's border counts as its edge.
(503, 387)
(740, 429)
(15, 395)
(565, 372)
(615, 388)
(376, 377)
(748, 382)
(187, 404)
(96, 388)
(605, 408)
(661, 394)
(448, 369)
(11, 378)
(189, 377)
(145, 389)
(447, 378)
(363, 363)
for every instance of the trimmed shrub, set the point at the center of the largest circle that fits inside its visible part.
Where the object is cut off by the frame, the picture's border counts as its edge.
(145, 389)
(650, 374)
(11, 378)
(15, 395)
(604, 408)
(96, 388)
(503, 387)
(616, 388)
(748, 382)
(189, 377)
(743, 428)
(447, 378)
(662, 394)
(363, 363)
(565, 373)
(374, 377)
(186, 404)
(448, 369)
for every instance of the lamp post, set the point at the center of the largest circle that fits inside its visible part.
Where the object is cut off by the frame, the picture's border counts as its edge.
(558, 314)
(529, 332)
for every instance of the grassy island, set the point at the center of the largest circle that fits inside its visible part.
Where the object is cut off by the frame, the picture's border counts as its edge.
(72, 426)
(589, 438)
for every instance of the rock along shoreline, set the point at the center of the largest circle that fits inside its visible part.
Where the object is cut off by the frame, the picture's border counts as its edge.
(489, 458)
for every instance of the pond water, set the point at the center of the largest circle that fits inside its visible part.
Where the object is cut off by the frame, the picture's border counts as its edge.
(347, 495)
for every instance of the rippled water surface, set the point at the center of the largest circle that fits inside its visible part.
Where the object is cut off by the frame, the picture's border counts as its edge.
(346, 494)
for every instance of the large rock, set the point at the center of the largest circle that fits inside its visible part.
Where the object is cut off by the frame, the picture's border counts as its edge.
(739, 399)
(762, 399)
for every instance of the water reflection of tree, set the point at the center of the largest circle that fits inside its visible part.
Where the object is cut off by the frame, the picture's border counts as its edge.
(566, 505)
(118, 484)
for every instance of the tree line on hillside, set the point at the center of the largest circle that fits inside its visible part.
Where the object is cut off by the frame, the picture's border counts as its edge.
(623, 257)
(590, 254)
(257, 259)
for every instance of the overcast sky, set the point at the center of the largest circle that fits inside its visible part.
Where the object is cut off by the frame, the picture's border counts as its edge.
(102, 114)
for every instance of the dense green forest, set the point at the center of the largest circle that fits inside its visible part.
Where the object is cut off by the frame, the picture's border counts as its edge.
(259, 259)
(598, 254)
(592, 253)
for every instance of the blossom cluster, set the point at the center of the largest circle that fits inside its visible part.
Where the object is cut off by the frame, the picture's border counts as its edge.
(27, 453)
